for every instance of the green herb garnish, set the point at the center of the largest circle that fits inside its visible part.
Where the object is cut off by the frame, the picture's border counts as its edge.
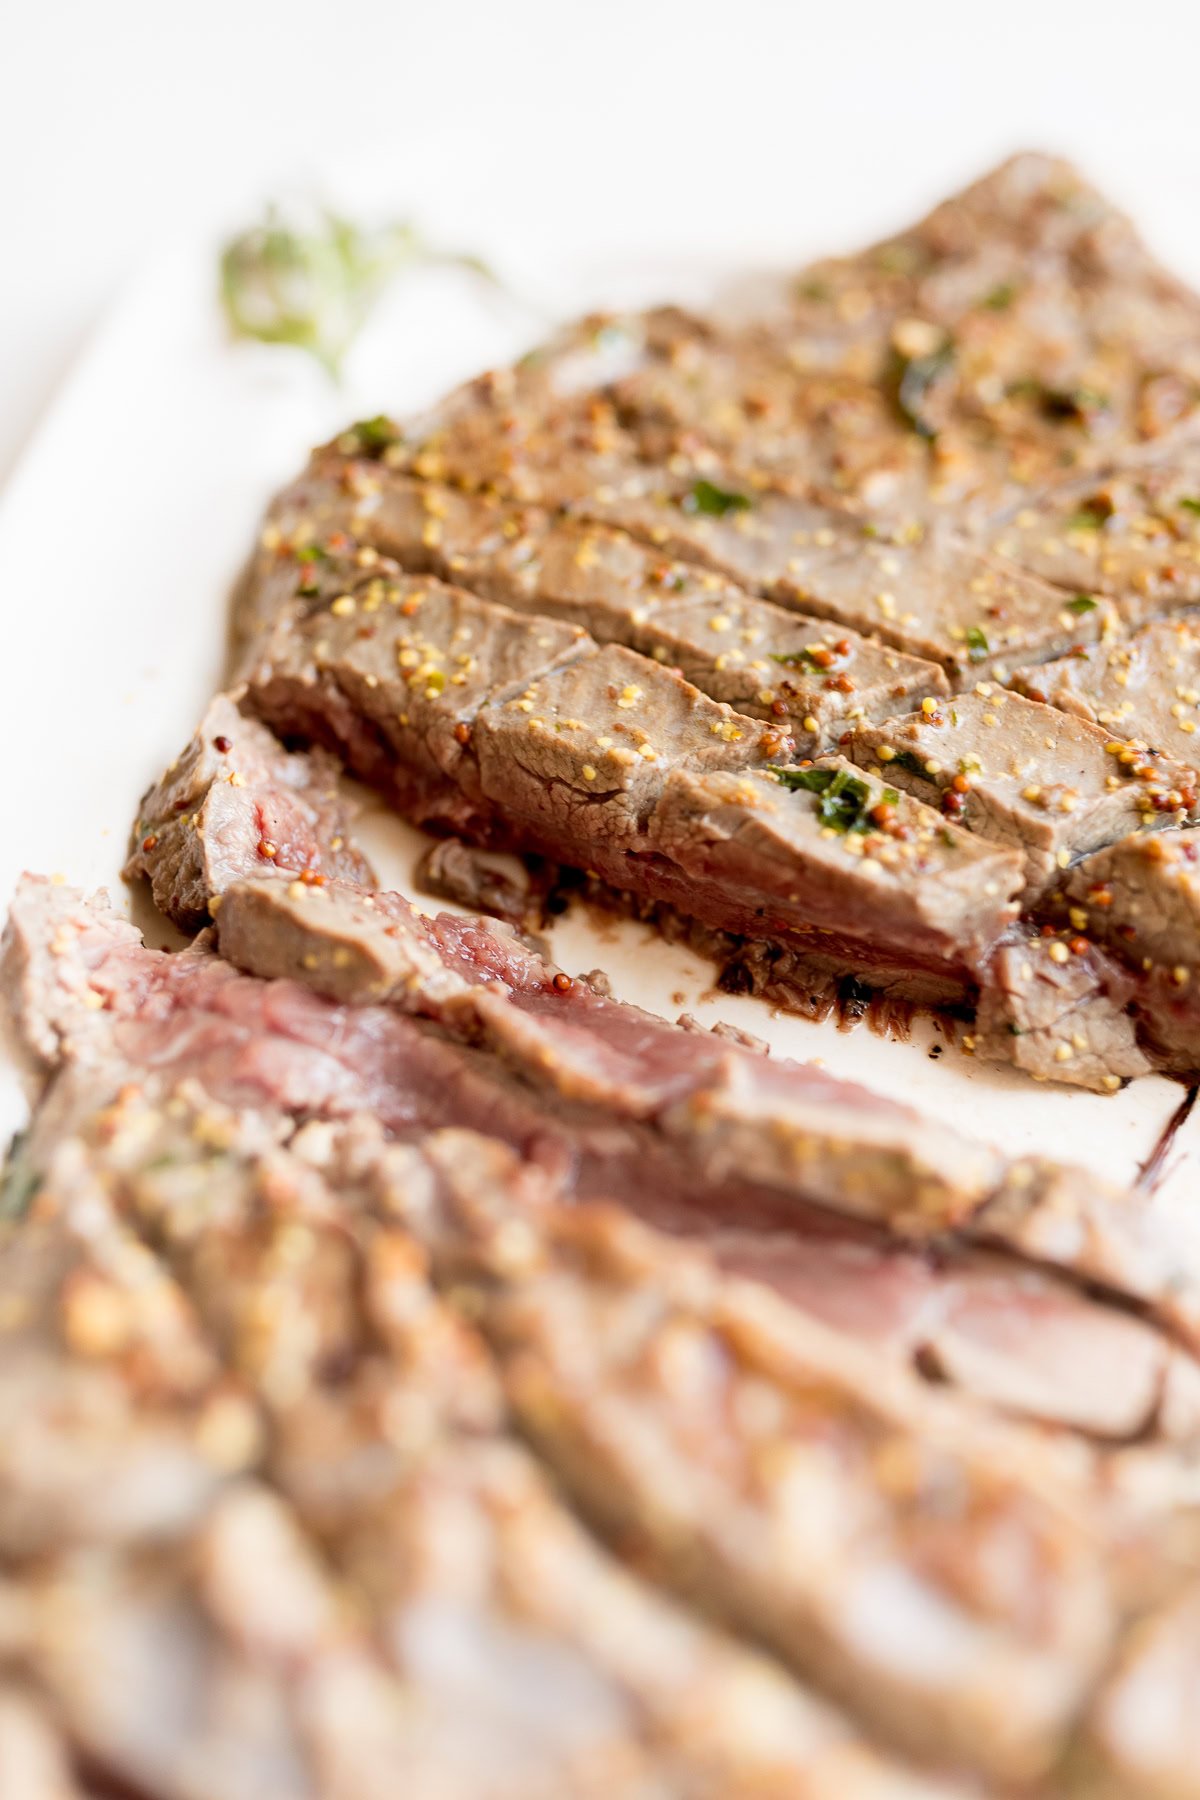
(371, 435)
(1190, 505)
(915, 378)
(311, 553)
(1080, 403)
(843, 799)
(813, 656)
(908, 759)
(714, 502)
(1082, 603)
(310, 278)
(19, 1179)
(977, 644)
(1001, 297)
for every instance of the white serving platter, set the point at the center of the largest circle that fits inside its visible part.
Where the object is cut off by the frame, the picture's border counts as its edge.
(120, 536)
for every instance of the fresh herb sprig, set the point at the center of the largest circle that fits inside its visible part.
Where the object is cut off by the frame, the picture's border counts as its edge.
(310, 278)
(843, 800)
(712, 501)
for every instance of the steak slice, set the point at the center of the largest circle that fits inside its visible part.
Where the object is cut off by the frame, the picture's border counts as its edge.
(764, 1121)
(597, 758)
(1131, 535)
(1061, 1015)
(693, 1130)
(928, 592)
(233, 804)
(1140, 899)
(1141, 896)
(1026, 775)
(900, 896)
(1147, 686)
(748, 652)
(742, 1453)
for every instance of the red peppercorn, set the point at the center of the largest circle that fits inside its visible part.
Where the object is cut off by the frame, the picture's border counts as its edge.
(223, 744)
(563, 983)
(462, 732)
(148, 843)
(267, 848)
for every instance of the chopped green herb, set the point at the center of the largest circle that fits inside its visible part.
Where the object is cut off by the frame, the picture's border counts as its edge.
(1082, 603)
(371, 435)
(705, 497)
(1014, 1031)
(1190, 505)
(843, 799)
(1080, 403)
(908, 759)
(814, 290)
(311, 553)
(19, 1180)
(1001, 297)
(915, 378)
(813, 656)
(948, 839)
(977, 644)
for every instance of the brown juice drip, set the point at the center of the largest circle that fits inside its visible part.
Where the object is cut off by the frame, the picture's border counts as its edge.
(1154, 1168)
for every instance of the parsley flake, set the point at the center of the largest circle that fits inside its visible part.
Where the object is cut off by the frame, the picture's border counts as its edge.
(713, 501)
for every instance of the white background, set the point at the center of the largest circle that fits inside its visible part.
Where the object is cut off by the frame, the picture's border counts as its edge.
(718, 128)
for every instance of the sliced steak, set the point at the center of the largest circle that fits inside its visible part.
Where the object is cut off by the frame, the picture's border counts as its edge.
(864, 879)
(232, 805)
(1062, 1012)
(1027, 775)
(925, 591)
(757, 656)
(396, 688)
(689, 1417)
(606, 761)
(1146, 687)
(514, 1655)
(838, 862)
(690, 1127)
(749, 1118)
(1132, 535)
(1140, 899)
